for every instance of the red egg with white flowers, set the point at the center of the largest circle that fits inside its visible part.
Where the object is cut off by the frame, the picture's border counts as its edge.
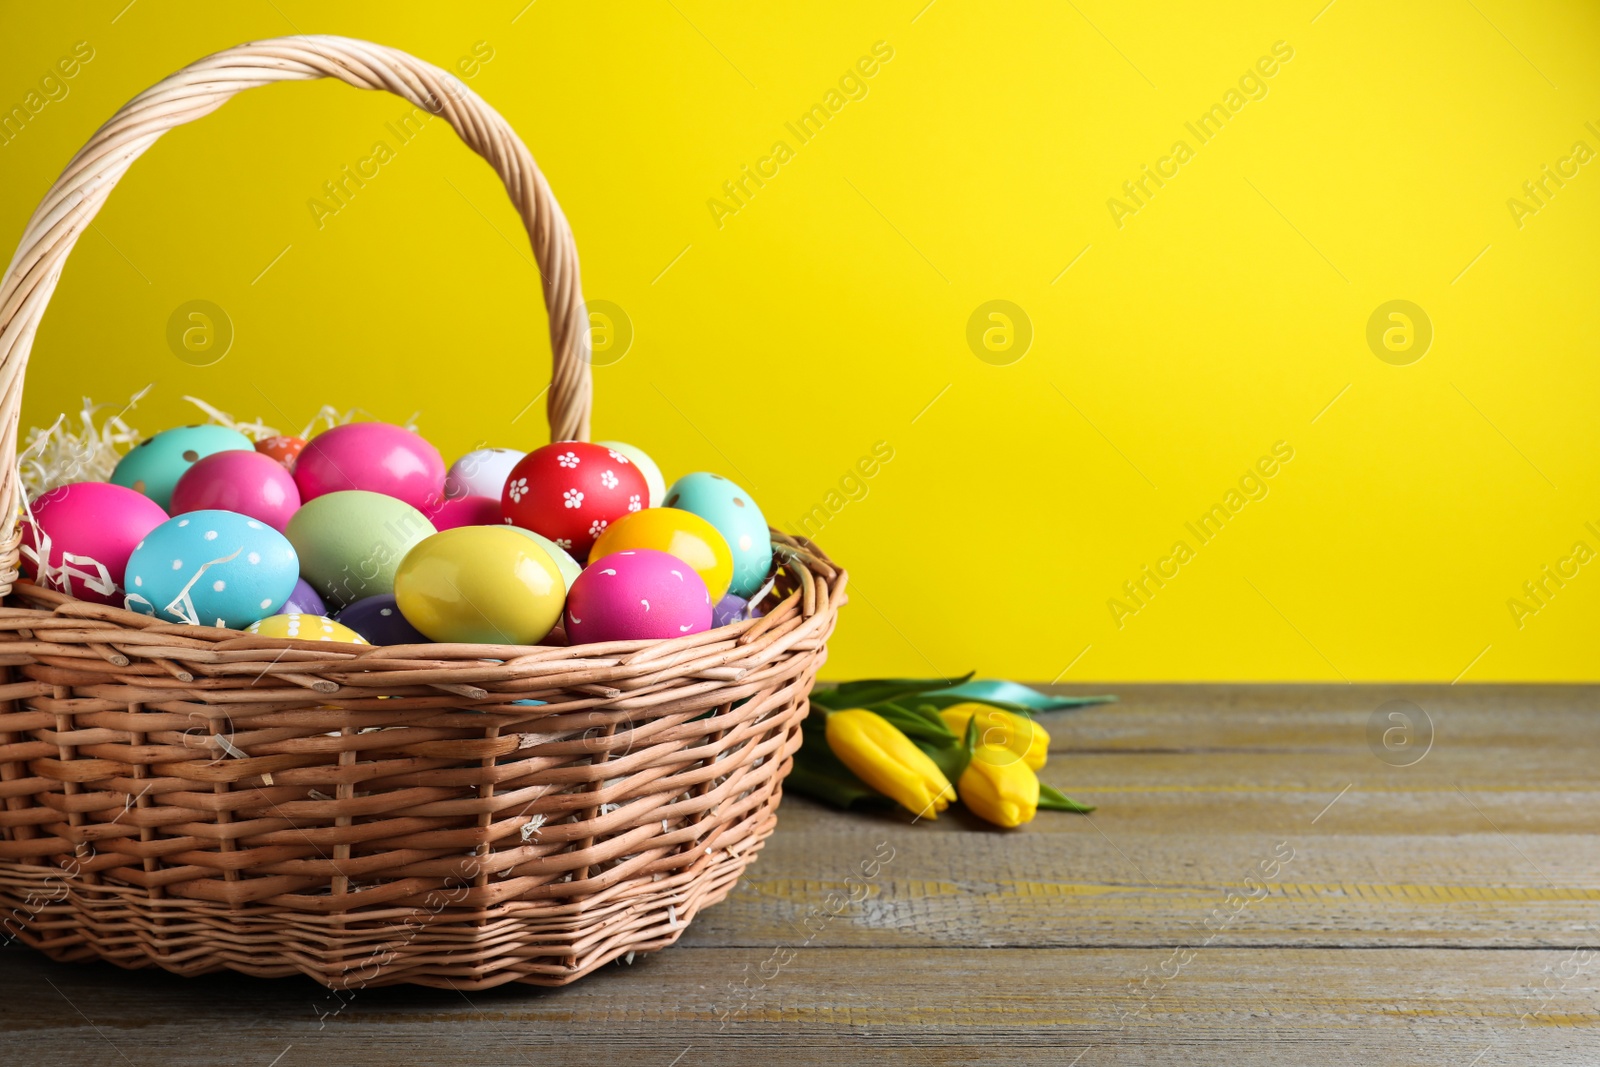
(570, 491)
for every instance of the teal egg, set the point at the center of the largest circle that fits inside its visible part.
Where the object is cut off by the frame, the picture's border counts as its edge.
(156, 463)
(350, 542)
(211, 568)
(737, 518)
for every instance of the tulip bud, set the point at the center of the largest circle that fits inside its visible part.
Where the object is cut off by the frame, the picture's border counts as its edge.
(1022, 736)
(888, 761)
(999, 788)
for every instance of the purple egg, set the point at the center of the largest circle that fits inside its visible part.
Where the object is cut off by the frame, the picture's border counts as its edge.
(640, 594)
(378, 620)
(730, 609)
(303, 601)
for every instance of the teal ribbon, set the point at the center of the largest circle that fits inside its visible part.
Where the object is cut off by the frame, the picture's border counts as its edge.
(996, 690)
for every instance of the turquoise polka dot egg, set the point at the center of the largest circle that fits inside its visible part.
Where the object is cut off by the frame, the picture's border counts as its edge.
(737, 518)
(211, 568)
(154, 466)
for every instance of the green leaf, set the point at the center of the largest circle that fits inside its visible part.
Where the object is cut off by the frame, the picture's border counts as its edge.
(946, 700)
(950, 757)
(869, 691)
(970, 741)
(839, 792)
(1052, 799)
(939, 701)
(915, 724)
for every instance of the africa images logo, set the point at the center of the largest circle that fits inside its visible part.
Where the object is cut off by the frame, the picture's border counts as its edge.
(852, 85)
(1252, 85)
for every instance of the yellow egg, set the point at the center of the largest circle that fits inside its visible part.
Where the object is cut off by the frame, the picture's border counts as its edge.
(480, 585)
(682, 533)
(306, 628)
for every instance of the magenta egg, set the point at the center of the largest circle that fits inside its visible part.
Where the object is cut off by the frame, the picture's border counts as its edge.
(464, 511)
(378, 457)
(79, 537)
(636, 595)
(250, 483)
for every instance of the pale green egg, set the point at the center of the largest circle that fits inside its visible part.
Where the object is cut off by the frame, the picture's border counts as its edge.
(647, 467)
(568, 566)
(350, 542)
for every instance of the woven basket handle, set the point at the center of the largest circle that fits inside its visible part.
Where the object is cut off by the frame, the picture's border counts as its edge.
(201, 88)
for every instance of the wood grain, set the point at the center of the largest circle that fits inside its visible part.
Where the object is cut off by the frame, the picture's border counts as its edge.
(1440, 913)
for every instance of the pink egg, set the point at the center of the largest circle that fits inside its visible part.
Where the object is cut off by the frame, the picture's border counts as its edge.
(464, 511)
(636, 595)
(375, 456)
(249, 483)
(81, 536)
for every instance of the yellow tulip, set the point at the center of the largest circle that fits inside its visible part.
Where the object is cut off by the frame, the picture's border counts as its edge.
(885, 759)
(1022, 736)
(999, 788)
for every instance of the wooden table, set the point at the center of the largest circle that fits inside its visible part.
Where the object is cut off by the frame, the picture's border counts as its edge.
(1269, 879)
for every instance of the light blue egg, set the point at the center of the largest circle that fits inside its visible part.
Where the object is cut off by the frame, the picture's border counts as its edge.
(156, 463)
(737, 518)
(212, 568)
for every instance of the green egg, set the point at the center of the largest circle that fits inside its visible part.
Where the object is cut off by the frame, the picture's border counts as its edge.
(737, 518)
(647, 467)
(156, 463)
(350, 542)
(564, 562)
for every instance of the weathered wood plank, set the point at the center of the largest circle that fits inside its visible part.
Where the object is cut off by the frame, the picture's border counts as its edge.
(1078, 889)
(1414, 1006)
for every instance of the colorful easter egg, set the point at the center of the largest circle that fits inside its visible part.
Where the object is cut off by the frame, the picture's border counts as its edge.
(378, 619)
(283, 449)
(377, 457)
(570, 491)
(482, 472)
(647, 467)
(305, 628)
(451, 512)
(155, 464)
(211, 568)
(303, 601)
(634, 595)
(733, 608)
(569, 567)
(480, 584)
(350, 542)
(78, 537)
(735, 515)
(682, 533)
(247, 482)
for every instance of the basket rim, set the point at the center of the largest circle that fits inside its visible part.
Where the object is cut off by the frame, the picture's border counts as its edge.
(799, 553)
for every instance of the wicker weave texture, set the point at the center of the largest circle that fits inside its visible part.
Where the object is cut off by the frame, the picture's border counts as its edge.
(461, 815)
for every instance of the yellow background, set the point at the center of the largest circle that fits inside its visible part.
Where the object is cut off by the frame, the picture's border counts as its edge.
(832, 308)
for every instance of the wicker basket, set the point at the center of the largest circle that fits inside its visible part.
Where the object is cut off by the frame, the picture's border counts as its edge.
(195, 799)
